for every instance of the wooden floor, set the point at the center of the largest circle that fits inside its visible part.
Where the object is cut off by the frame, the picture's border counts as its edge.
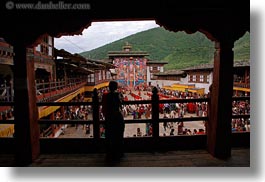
(191, 158)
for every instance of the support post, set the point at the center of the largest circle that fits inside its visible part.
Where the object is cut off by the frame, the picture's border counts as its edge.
(95, 114)
(25, 109)
(155, 113)
(220, 113)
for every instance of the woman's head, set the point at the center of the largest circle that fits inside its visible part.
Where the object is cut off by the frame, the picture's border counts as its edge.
(113, 85)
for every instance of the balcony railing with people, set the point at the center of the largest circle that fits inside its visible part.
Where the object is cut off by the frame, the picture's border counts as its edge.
(240, 126)
(154, 140)
(52, 90)
(45, 92)
(6, 119)
(6, 95)
(242, 85)
(6, 110)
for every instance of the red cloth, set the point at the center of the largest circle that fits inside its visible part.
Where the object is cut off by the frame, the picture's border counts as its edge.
(191, 107)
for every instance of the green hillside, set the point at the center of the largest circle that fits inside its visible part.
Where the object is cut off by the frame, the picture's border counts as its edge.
(242, 48)
(179, 49)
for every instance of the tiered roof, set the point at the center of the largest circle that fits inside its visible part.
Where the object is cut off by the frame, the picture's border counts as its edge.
(80, 63)
(126, 52)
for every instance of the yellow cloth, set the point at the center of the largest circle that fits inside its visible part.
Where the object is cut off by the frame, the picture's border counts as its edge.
(6, 130)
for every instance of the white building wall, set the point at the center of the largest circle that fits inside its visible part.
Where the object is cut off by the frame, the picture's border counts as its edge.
(38, 48)
(210, 82)
(154, 82)
(148, 78)
(50, 40)
(201, 85)
(184, 80)
(162, 83)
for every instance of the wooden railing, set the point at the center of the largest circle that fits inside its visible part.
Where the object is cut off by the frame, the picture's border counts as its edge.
(49, 91)
(143, 143)
(6, 121)
(6, 103)
(241, 85)
(155, 120)
(6, 95)
(46, 92)
(89, 83)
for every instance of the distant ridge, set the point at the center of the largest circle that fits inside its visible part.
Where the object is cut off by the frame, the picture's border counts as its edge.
(181, 50)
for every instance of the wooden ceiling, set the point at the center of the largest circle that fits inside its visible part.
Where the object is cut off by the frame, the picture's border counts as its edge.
(79, 62)
(224, 20)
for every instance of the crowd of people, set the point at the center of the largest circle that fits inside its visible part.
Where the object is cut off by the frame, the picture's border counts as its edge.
(166, 110)
(78, 112)
(241, 108)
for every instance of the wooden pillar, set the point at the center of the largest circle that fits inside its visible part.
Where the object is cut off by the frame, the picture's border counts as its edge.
(95, 114)
(155, 113)
(52, 117)
(11, 89)
(26, 111)
(220, 114)
(63, 112)
(246, 76)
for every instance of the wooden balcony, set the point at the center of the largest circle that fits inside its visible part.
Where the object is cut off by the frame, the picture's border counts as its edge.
(177, 158)
(165, 148)
(241, 85)
(50, 91)
(205, 17)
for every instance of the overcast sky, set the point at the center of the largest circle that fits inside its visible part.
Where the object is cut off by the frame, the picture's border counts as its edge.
(101, 33)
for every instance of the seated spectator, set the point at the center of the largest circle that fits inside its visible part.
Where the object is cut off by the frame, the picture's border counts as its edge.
(172, 132)
(139, 133)
(201, 132)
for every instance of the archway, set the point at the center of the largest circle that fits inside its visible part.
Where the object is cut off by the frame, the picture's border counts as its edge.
(220, 21)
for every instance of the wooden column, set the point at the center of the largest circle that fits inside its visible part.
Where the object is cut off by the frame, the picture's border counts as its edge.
(155, 113)
(26, 112)
(220, 114)
(63, 112)
(95, 100)
(65, 77)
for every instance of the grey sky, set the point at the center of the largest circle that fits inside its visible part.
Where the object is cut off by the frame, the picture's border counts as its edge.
(101, 33)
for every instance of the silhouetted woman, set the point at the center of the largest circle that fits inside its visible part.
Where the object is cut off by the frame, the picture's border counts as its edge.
(112, 110)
